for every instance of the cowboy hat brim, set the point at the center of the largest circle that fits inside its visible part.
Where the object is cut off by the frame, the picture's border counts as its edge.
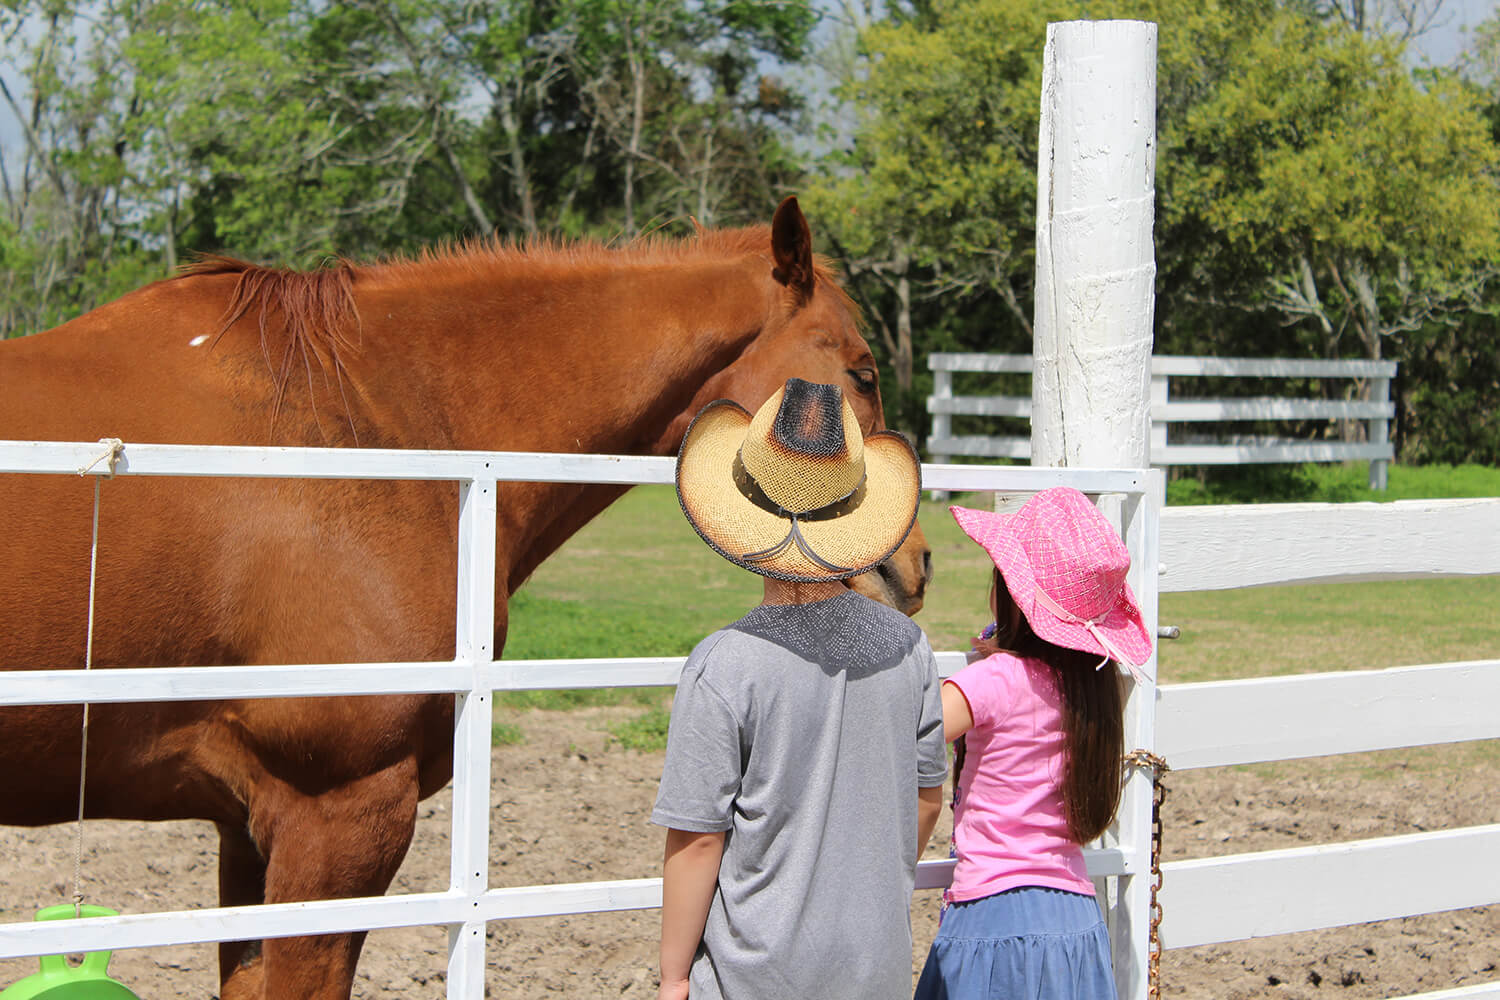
(854, 542)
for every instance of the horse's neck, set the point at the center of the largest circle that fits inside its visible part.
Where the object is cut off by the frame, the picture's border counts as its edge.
(603, 363)
(596, 363)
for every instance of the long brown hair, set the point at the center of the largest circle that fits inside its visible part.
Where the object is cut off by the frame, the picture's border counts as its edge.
(1093, 710)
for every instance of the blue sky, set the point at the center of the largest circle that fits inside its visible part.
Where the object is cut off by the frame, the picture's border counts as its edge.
(1443, 44)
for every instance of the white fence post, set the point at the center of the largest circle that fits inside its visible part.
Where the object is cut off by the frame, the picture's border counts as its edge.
(1095, 275)
(1160, 397)
(942, 421)
(1380, 392)
(1095, 261)
(473, 723)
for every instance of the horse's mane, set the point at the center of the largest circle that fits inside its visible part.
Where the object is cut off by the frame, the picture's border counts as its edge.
(317, 315)
(321, 322)
(541, 254)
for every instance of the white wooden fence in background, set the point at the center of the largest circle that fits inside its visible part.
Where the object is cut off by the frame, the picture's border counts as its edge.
(1376, 413)
(1191, 725)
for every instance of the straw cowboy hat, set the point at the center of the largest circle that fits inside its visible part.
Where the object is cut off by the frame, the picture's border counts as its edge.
(796, 492)
(1065, 568)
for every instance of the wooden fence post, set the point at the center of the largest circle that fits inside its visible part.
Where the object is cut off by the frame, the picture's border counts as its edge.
(1095, 262)
(1095, 274)
(942, 421)
(1160, 397)
(1379, 428)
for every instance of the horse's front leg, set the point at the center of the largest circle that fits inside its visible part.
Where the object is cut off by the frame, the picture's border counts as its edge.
(346, 841)
(242, 882)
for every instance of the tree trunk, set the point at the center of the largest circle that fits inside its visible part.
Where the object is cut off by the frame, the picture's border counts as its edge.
(520, 177)
(637, 116)
(902, 361)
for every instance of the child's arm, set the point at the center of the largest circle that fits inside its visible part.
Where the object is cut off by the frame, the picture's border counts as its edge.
(690, 873)
(929, 808)
(957, 718)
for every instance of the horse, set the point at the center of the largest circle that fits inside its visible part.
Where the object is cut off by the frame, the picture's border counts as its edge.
(548, 346)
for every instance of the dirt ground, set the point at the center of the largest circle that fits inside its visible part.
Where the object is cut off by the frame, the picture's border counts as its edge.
(571, 805)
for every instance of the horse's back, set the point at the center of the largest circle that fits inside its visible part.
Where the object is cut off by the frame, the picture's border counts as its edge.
(196, 571)
(224, 570)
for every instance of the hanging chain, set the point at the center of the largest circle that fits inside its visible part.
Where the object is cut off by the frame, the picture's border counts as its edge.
(111, 454)
(1158, 766)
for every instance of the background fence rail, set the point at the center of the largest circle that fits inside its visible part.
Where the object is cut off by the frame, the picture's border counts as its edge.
(1375, 411)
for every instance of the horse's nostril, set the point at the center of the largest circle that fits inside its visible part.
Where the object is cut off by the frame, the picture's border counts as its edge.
(927, 565)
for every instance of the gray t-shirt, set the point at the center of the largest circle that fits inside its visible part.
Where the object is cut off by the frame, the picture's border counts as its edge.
(803, 732)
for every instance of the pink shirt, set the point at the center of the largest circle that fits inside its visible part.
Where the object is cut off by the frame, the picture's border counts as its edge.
(1008, 827)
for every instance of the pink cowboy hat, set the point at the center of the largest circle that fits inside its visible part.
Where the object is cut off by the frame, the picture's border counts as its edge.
(1065, 567)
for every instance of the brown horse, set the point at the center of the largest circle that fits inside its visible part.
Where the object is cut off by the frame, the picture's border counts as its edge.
(560, 349)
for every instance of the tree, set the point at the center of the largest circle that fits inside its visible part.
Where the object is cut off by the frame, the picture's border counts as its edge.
(937, 195)
(1370, 197)
(673, 89)
(1313, 195)
(289, 131)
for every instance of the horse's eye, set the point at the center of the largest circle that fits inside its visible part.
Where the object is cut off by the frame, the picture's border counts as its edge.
(865, 379)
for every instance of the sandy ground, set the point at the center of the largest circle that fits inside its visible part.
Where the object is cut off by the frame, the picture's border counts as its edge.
(571, 805)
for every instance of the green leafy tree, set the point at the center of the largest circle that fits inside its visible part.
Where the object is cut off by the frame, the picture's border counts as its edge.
(1368, 199)
(292, 130)
(937, 195)
(1314, 196)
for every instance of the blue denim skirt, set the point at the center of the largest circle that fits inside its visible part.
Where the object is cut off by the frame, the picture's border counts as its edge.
(1023, 944)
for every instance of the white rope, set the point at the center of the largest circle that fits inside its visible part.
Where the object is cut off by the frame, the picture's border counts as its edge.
(111, 454)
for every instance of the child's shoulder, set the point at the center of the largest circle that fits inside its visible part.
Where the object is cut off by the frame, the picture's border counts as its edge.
(883, 616)
(1002, 664)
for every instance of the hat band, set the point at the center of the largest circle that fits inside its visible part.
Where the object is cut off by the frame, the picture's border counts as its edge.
(794, 537)
(751, 490)
(1111, 650)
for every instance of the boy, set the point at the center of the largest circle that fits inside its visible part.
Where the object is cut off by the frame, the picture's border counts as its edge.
(805, 756)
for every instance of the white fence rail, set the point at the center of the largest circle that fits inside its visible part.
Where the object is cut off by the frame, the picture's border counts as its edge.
(1191, 725)
(1376, 412)
(1279, 718)
(1303, 888)
(472, 677)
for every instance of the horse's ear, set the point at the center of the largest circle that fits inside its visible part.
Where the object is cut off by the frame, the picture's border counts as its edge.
(791, 244)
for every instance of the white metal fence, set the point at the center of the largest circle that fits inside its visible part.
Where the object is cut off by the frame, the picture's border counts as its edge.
(1191, 725)
(1376, 413)
(469, 903)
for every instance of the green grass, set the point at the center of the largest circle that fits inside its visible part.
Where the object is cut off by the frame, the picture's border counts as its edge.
(1266, 631)
(1331, 483)
(506, 734)
(639, 582)
(645, 732)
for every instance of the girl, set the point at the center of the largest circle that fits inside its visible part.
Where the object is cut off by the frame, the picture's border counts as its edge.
(1038, 720)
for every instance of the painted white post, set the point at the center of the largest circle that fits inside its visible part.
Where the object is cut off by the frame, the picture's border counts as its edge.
(473, 722)
(1095, 275)
(1095, 262)
(1160, 397)
(1379, 432)
(942, 421)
